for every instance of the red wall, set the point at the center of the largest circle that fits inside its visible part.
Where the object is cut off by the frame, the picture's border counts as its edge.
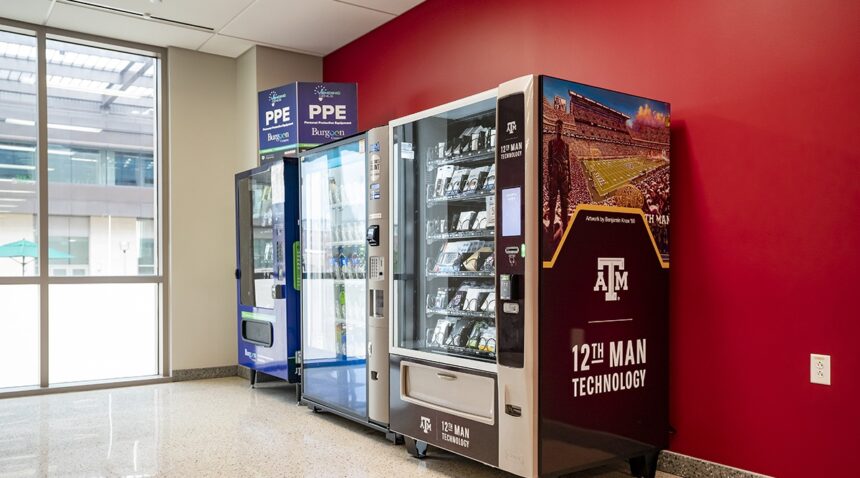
(766, 234)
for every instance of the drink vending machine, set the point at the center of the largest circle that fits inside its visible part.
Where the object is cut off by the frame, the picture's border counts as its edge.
(344, 245)
(267, 284)
(529, 275)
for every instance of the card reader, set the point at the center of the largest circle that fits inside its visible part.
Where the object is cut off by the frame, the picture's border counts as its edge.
(507, 286)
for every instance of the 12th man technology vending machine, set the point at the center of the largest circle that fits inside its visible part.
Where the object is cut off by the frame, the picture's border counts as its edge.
(267, 280)
(529, 241)
(344, 219)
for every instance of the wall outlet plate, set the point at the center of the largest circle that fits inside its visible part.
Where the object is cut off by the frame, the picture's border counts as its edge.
(819, 369)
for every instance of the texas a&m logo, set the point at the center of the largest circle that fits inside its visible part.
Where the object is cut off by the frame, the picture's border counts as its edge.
(425, 425)
(611, 277)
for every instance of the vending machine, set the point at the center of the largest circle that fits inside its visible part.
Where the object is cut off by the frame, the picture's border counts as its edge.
(344, 246)
(529, 317)
(267, 285)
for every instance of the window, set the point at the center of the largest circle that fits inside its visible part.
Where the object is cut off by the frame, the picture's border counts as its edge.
(19, 206)
(99, 216)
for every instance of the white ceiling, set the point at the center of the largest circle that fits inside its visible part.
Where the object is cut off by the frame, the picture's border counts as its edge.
(222, 27)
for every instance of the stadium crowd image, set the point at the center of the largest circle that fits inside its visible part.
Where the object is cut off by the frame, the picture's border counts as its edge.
(599, 155)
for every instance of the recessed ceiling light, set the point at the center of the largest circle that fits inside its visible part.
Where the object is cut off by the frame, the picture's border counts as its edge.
(12, 147)
(20, 122)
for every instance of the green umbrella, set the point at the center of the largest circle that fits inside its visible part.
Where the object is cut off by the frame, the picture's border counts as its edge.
(27, 250)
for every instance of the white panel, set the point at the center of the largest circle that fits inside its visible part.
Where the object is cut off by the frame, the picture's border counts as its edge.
(87, 20)
(205, 13)
(318, 27)
(395, 7)
(32, 11)
(226, 46)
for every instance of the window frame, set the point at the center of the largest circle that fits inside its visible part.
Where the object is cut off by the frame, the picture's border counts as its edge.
(160, 182)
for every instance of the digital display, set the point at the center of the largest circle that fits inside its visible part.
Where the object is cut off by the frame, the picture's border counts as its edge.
(511, 216)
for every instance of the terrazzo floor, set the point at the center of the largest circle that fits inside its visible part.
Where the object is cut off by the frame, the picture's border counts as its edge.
(217, 427)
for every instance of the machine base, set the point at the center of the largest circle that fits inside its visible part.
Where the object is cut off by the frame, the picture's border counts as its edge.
(644, 466)
(316, 407)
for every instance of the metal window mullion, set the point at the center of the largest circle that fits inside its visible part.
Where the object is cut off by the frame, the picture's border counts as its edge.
(161, 180)
(42, 143)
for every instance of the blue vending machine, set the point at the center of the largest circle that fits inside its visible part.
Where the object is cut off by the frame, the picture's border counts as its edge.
(267, 280)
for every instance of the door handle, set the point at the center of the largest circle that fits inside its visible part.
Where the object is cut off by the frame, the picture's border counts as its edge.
(446, 376)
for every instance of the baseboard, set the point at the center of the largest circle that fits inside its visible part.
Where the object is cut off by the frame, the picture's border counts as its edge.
(243, 372)
(690, 467)
(204, 373)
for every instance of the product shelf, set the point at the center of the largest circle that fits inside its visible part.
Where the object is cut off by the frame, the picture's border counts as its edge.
(475, 196)
(333, 276)
(462, 313)
(477, 156)
(483, 233)
(469, 274)
(463, 352)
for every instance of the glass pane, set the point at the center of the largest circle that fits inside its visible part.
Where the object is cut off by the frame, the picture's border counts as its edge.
(445, 218)
(334, 315)
(101, 145)
(256, 251)
(19, 335)
(19, 249)
(102, 331)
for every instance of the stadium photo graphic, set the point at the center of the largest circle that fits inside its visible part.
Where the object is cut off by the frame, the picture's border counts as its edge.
(605, 148)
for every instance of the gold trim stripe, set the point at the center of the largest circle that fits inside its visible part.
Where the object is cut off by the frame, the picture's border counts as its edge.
(594, 207)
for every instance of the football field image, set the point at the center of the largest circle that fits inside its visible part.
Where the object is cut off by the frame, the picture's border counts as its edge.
(607, 175)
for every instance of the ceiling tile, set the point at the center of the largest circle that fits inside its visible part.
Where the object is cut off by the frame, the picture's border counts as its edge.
(226, 46)
(318, 27)
(96, 22)
(205, 13)
(31, 11)
(395, 7)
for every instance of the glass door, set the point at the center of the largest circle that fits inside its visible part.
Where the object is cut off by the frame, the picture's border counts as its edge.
(444, 240)
(334, 314)
(256, 250)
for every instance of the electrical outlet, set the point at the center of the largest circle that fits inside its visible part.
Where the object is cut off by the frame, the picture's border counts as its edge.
(819, 369)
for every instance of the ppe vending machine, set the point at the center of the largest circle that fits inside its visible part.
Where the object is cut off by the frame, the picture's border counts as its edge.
(530, 278)
(344, 241)
(267, 235)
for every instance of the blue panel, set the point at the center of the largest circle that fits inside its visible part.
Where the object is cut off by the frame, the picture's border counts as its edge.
(267, 208)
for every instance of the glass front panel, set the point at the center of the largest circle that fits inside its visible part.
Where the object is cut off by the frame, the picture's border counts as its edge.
(256, 250)
(19, 206)
(444, 227)
(101, 162)
(333, 276)
(102, 331)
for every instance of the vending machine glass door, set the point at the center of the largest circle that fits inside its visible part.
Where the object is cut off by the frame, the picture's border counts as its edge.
(334, 291)
(256, 254)
(444, 213)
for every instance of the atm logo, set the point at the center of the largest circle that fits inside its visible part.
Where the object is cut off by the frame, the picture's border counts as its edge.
(251, 355)
(611, 277)
(511, 127)
(425, 425)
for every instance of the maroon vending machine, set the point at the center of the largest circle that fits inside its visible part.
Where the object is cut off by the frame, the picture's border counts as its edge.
(531, 265)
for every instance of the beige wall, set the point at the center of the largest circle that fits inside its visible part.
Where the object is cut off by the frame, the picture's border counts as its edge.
(246, 98)
(203, 159)
(213, 121)
(279, 67)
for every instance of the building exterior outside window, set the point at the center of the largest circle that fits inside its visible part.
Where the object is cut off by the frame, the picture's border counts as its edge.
(100, 196)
